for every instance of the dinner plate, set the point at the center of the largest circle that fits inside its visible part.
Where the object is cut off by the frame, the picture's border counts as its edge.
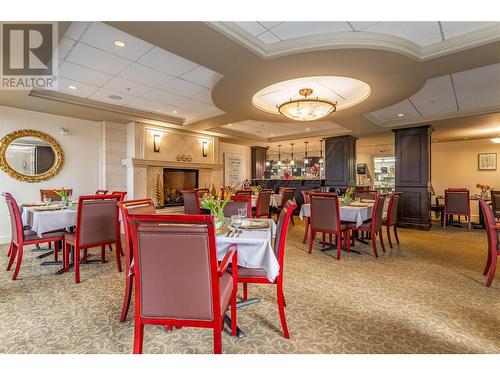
(367, 201)
(252, 224)
(359, 204)
(223, 230)
(47, 208)
(33, 204)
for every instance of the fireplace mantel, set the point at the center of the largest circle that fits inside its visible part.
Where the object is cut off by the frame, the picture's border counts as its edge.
(169, 164)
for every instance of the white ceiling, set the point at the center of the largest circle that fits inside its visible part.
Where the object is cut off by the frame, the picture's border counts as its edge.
(469, 90)
(269, 130)
(343, 90)
(421, 33)
(139, 75)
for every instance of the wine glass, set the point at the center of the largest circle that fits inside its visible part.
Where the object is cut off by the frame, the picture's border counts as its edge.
(47, 200)
(236, 221)
(242, 212)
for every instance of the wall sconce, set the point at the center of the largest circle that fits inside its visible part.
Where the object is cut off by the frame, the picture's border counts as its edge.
(204, 148)
(156, 142)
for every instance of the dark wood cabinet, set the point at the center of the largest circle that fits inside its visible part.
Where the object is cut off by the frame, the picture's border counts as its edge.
(258, 161)
(413, 171)
(340, 162)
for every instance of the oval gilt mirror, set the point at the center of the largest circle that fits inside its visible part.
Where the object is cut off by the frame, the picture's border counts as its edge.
(30, 156)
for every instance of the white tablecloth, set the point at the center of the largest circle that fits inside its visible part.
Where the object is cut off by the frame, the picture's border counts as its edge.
(352, 214)
(46, 221)
(275, 200)
(255, 249)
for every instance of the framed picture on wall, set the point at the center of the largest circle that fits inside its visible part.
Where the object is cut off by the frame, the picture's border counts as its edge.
(487, 161)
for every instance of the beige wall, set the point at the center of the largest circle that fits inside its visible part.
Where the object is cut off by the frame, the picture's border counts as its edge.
(82, 153)
(454, 164)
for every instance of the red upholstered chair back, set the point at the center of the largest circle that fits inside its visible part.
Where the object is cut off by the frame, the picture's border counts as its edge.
(175, 266)
(491, 228)
(366, 194)
(288, 195)
(392, 208)
(97, 192)
(202, 192)
(456, 201)
(244, 198)
(378, 212)
(97, 219)
(122, 194)
(16, 225)
(281, 232)
(325, 212)
(306, 195)
(232, 207)
(495, 203)
(243, 192)
(191, 202)
(263, 202)
(53, 195)
(133, 207)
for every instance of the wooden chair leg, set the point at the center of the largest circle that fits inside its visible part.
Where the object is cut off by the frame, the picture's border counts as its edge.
(13, 254)
(306, 229)
(374, 245)
(18, 262)
(218, 338)
(381, 239)
(77, 264)
(129, 283)
(138, 336)
(396, 234)
(493, 268)
(330, 239)
(389, 236)
(245, 291)
(281, 308)
(488, 263)
(312, 237)
(85, 256)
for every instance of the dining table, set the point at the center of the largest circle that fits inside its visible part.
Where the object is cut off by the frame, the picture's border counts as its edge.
(44, 219)
(274, 202)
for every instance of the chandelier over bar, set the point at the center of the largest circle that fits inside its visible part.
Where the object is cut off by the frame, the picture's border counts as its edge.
(307, 109)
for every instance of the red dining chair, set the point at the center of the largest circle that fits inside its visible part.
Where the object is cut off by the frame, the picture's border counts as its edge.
(258, 275)
(374, 226)
(495, 203)
(21, 237)
(191, 202)
(244, 198)
(307, 200)
(231, 208)
(243, 192)
(97, 225)
(456, 202)
(366, 194)
(122, 195)
(101, 192)
(392, 216)
(132, 207)
(262, 206)
(286, 195)
(325, 218)
(493, 233)
(178, 281)
(201, 192)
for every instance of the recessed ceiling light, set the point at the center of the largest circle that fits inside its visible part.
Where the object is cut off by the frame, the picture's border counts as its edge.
(229, 124)
(401, 114)
(495, 140)
(115, 97)
(120, 43)
(175, 111)
(272, 135)
(466, 138)
(308, 129)
(72, 87)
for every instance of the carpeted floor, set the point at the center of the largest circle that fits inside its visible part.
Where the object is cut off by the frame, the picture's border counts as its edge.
(426, 296)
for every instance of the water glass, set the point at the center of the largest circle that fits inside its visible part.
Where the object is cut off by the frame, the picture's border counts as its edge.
(236, 221)
(242, 212)
(47, 200)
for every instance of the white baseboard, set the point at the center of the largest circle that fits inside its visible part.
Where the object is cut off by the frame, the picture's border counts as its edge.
(4, 239)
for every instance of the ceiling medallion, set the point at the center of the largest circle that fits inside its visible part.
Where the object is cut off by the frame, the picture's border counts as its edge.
(307, 109)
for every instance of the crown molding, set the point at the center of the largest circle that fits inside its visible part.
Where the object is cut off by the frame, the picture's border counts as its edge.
(365, 39)
(444, 116)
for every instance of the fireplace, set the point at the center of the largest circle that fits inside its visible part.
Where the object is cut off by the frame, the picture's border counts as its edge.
(176, 180)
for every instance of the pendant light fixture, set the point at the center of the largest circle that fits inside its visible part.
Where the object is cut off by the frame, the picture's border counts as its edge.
(292, 162)
(306, 160)
(321, 151)
(279, 156)
(268, 163)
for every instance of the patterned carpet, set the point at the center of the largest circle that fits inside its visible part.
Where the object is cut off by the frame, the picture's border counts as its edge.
(427, 296)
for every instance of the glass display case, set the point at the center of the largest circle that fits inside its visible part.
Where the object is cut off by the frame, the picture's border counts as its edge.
(384, 174)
